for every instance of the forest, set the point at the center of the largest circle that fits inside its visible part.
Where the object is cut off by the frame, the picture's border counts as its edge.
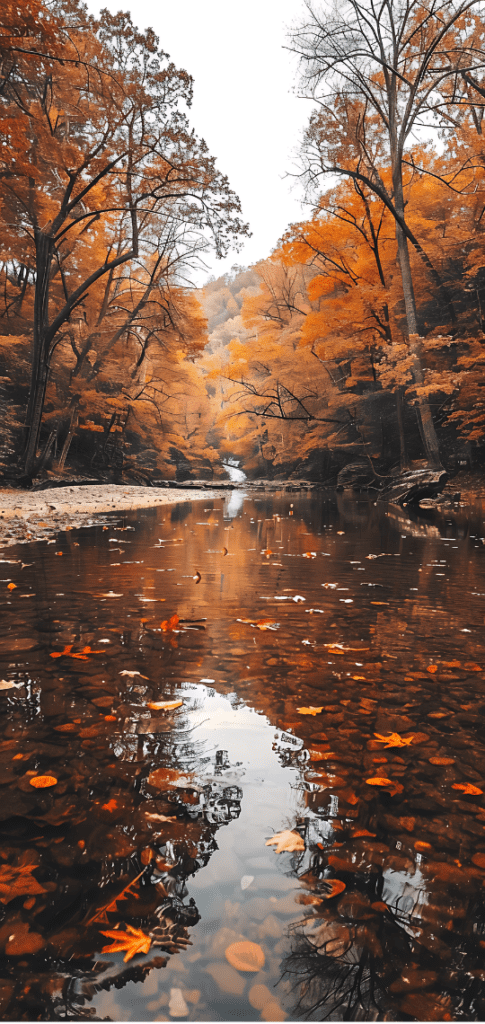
(354, 351)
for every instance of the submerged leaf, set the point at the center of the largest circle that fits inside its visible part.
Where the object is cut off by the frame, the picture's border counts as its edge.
(468, 788)
(164, 705)
(43, 781)
(286, 841)
(393, 740)
(245, 956)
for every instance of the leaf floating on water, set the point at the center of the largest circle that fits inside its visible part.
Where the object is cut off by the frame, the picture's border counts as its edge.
(126, 672)
(168, 625)
(111, 593)
(133, 941)
(245, 956)
(164, 705)
(286, 841)
(197, 577)
(43, 781)
(225, 551)
(11, 586)
(466, 787)
(332, 887)
(6, 684)
(310, 554)
(261, 623)
(17, 880)
(310, 710)
(379, 781)
(393, 740)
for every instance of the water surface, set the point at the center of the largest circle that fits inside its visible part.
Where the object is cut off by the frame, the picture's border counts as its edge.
(327, 657)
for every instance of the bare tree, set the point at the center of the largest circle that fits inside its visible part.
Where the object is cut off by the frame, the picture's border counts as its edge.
(375, 69)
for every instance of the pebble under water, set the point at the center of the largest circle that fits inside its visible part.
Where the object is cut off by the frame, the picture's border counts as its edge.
(242, 769)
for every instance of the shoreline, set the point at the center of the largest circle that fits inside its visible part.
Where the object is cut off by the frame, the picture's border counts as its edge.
(37, 515)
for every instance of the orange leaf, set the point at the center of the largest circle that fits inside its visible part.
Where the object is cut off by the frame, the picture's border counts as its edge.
(333, 886)
(393, 740)
(432, 668)
(286, 841)
(133, 941)
(59, 654)
(43, 781)
(468, 788)
(442, 760)
(164, 705)
(12, 586)
(245, 956)
(310, 710)
(169, 624)
(379, 781)
(110, 806)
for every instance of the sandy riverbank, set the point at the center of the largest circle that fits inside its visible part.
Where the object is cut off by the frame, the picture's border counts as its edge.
(34, 515)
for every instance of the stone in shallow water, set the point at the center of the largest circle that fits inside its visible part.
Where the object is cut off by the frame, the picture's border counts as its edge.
(227, 978)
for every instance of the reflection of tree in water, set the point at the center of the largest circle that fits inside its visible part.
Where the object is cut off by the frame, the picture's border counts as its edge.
(386, 933)
(75, 890)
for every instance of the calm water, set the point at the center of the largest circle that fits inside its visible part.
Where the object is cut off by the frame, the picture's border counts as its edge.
(158, 820)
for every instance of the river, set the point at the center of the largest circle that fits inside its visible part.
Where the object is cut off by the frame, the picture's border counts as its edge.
(300, 831)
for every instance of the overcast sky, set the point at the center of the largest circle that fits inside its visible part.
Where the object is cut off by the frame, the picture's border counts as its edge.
(243, 105)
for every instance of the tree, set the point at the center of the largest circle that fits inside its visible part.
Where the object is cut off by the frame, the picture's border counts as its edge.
(103, 172)
(376, 69)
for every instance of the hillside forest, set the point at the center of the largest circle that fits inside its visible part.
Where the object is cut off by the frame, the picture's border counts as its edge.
(356, 346)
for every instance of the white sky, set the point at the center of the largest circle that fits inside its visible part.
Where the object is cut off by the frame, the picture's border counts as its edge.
(243, 105)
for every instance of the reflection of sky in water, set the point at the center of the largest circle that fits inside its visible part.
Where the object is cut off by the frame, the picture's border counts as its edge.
(405, 893)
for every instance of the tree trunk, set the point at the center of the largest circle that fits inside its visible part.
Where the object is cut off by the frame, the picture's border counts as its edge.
(40, 367)
(425, 419)
(404, 463)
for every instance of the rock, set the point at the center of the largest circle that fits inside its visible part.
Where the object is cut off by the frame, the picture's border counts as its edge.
(413, 485)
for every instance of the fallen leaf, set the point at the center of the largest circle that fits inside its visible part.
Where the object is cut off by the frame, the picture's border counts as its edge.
(310, 710)
(467, 788)
(111, 593)
(286, 841)
(6, 684)
(245, 956)
(16, 880)
(420, 845)
(170, 624)
(133, 941)
(332, 887)
(442, 760)
(12, 586)
(432, 668)
(393, 740)
(310, 554)
(225, 551)
(379, 781)
(159, 817)
(110, 806)
(126, 672)
(197, 577)
(43, 781)
(164, 705)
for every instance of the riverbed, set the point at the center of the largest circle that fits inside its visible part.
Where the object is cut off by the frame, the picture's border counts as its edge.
(243, 764)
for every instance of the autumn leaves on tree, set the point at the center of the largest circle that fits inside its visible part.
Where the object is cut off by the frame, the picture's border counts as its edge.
(383, 285)
(107, 197)
(359, 338)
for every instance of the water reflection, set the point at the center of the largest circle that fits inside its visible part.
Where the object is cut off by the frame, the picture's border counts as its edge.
(320, 663)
